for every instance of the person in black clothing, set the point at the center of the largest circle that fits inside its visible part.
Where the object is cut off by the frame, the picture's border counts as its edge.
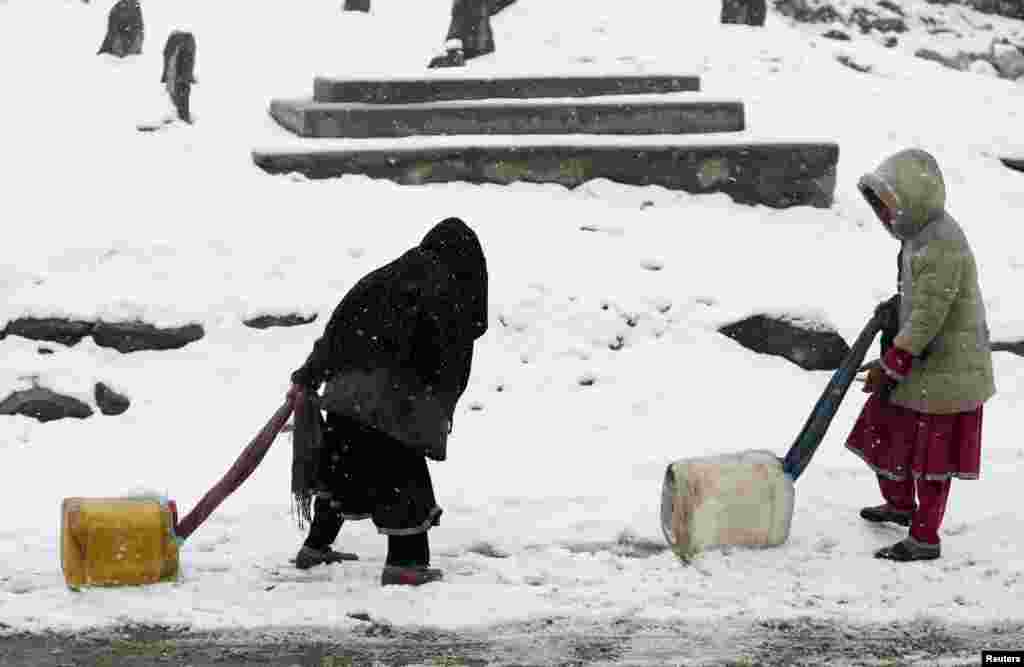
(395, 357)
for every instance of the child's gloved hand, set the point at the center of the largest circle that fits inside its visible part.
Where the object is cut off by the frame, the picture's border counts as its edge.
(897, 363)
(876, 380)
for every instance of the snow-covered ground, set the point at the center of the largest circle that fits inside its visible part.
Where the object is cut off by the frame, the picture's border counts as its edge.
(179, 226)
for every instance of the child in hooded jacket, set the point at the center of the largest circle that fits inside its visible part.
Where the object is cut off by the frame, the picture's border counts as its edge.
(921, 426)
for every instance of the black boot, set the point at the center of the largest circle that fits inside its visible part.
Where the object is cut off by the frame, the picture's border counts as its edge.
(453, 58)
(408, 562)
(909, 550)
(308, 557)
(317, 549)
(883, 513)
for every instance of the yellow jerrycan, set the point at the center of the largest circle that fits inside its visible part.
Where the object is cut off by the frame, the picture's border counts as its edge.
(118, 541)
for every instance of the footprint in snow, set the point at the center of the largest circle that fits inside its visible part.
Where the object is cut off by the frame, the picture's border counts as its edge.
(20, 586)
(487, 549)
(956, 529)
(826, 545)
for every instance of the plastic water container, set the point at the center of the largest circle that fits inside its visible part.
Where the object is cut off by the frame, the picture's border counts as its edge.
(118, 541)
(743, 499)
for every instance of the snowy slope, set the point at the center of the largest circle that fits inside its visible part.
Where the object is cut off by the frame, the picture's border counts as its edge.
(179, 226)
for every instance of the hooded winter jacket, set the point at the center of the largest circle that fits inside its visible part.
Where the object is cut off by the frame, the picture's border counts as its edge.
(397, 351)
(941, 313)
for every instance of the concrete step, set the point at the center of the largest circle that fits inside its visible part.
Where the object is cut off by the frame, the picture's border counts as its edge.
(446, 85)
(776, 174)
(673, 114)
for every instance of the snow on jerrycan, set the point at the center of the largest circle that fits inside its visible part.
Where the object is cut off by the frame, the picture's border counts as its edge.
(118, 541)
(741, 499)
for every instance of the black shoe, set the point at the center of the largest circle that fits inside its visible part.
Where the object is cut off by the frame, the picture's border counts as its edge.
(909, 550)
(453, 58)
(883, 513)
(415, 575)
(308, 557)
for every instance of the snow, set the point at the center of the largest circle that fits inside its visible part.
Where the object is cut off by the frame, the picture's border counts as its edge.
(294, 143)
(662, 99)
(178, 226)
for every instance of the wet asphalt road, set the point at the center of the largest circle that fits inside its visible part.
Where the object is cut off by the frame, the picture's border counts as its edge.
(551, 642)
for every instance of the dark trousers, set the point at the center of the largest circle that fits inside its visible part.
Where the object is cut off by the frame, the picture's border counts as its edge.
(929, 508)
(403, 550)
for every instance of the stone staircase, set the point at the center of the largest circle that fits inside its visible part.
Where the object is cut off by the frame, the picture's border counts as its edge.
(634, 129)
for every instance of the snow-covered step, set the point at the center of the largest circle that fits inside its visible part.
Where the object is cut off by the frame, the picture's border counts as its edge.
(651, 114)
(779, 174)
(442, 85)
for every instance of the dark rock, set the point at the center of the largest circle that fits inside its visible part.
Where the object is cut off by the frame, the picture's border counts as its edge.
(744, 12)
(849, 62)
(1008, 59)
(267, 321)
(136, 336)
(959, 62)
(867, 20)
(125, 30)
(889, 25)
(892, 7)
(44, 405)
(837, 35)
(1017, 164)
(891, 41)
(357, 5)
(109, 401)
(1014, 347)
(810, 347)
(50, 329)
(44, 350)
(804, 12)
(1013, 9)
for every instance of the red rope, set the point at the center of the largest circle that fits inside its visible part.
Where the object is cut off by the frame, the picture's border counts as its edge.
(247, 462)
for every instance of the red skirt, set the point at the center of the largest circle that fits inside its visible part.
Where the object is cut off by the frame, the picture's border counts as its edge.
(896, 442)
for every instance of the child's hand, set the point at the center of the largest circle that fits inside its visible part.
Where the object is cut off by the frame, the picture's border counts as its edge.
(876, 380)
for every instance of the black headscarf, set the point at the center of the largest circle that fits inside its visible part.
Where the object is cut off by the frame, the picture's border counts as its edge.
(458, 249)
